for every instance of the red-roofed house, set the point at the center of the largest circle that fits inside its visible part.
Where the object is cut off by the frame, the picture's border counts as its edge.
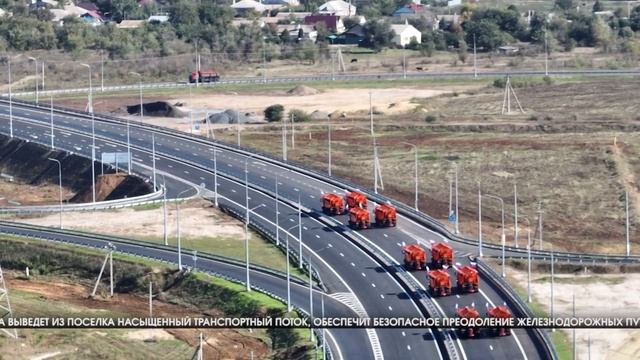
(332, 22)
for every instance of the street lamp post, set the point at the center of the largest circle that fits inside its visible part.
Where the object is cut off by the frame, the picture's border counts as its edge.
(51, 118)
(626, 208)
(60, 185)
(178, 228)
(246, 244)
(503, 236)
(415, 151)
(277, 214)
(93, 135)
(288, 269)
(515, 213)
(299, 234)
(529, 265)
(35, 62)
(540, 212)
(329, 142)
(215, 177)
(10, 100)
(140, 89)
(479, 220)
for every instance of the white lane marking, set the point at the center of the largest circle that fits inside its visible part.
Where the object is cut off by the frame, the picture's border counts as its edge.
(373, 285)
(390, 308)
(233, 190)
(404, 334)
(381, 296)
(364, 275)
(408, 347)
(330, 245)
(385, 235)
(352, 264)
(341, 254)
(291, 220)
(491, 347)
(515, 337)
(317, 236)
(311, 196)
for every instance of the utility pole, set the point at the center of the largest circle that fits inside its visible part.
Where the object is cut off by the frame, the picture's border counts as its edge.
(101, 72)
(42, 74)
(288, 269)
(284, 139)
(178, 228)
(200, 348)
(329, 141)
(324, 345)
(479, 221)
(140, 91)
(246, 224)
(264, 62)
(404, 65)
(626, 208)
(310, 299)
(540, 212)
(35, 62)
(475, 68)
(5, 305)
(109, 258)
(515, 213)
(293, 131)
(546, 55)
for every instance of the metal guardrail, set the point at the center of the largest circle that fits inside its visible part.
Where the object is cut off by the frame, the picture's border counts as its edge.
(403, 209)
(99, 205)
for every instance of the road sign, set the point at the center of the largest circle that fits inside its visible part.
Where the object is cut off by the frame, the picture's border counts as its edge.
(452, 216)
(119, 160)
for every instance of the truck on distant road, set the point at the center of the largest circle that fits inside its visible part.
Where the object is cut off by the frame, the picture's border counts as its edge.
(201, 76)
(467, 279)
(355, 199)
(439, 282)
(500, 312)
(468, 312)
(441, 255)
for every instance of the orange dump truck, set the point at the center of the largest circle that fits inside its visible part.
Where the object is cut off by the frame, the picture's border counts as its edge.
(359, 218)
(468, 312)
(332, 204)
(355, 199)
(467, 279)
(208, 75)
(441, 254)
(415, 258)
(501, 312)
(385, 215)
(439, 282)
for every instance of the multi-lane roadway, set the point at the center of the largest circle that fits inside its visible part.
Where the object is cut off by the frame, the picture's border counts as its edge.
(350, 274)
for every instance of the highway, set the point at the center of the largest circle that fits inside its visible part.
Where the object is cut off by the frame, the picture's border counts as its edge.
(363, 76)
(349, 273)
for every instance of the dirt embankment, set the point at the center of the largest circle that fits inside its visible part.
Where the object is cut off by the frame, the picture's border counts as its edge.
(29, 177)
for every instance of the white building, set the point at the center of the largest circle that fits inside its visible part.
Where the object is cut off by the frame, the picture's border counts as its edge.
(338, 8)
(248, 5)
(404, 33)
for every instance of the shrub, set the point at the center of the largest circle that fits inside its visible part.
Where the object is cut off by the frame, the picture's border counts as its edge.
(274, 113)
(430, 118)
(299, 115)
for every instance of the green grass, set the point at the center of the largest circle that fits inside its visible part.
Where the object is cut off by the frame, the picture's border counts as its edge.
(151, 206)
(562, 345)
(261, 252)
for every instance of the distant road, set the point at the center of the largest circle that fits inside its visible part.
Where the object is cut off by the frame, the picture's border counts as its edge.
(340, 77)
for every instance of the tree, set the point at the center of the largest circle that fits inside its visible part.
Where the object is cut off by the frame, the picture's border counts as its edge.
(597, 6)
(274, 113)
(565, 4)
(378, 34)
(634, 19)
(488, 34)
(462, 51)
(122, 8)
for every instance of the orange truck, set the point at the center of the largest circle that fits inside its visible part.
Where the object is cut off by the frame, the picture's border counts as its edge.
(355, 199)
(439, 282)
(201, 76)
(385, 215)
(467, 279)
(332, 204)
(359, 218)
(441, 254)
(501, 312)
(415, 258)
(468, 312)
